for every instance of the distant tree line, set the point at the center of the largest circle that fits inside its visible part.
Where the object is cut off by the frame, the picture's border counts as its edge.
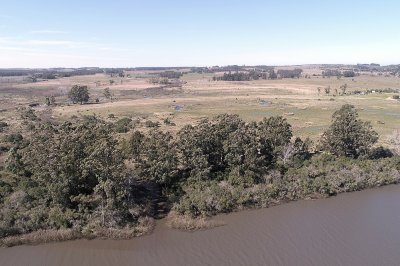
(287, 73)
(14, 72)
(49, 73)
(241, 76)
(171, 74)
(115, 72)
(349, 74)
(259, 74)
(201, 70)
(338, 73)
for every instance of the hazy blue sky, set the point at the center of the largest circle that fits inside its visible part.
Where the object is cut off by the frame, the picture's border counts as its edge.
(196, 33)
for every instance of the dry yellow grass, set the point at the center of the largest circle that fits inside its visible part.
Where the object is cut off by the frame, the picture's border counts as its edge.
(296, 99)
(183, 222)
(144, 226)
(40, 237)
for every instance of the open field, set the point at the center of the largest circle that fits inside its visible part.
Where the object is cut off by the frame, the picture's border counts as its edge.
(199, 96)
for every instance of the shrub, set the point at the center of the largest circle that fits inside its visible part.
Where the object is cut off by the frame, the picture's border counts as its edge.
(3, 125)
(123, 125)
(349, 74)
(149, 123)
(13, 138)
(321, 176)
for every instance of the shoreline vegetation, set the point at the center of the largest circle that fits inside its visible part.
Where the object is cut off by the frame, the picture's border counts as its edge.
(83, 179)
(145, 226)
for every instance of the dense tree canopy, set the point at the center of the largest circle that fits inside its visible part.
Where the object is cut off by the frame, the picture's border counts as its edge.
(73, 170)
(79, 94)
(80, 174)
(348, 135)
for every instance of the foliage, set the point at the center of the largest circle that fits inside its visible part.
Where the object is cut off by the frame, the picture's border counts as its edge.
(331, 73)
(150, 123)
(79, 94)
(321, 176)
(242, 76)
(77, 175)
(13, 138)
(50, 100)
(347, 135)
(107, 93)
(123, 125)
(290, 73)
(155, 156)
(3, 125)
(68, 175)
(349, 74)
(171, 74)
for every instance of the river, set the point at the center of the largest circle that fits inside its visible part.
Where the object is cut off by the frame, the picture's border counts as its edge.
(360, 228)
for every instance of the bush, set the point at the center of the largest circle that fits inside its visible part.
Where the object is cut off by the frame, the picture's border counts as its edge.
(123, 125)
(3, 125)
(149, 123)
(13, 138)
(321, 176)
(349, 74)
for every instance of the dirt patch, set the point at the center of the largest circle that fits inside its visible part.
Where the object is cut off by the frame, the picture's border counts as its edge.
(152, 92)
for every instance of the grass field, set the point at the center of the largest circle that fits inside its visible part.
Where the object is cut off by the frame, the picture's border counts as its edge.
(296, 99)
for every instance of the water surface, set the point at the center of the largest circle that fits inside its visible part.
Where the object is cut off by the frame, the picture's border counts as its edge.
(360, 228)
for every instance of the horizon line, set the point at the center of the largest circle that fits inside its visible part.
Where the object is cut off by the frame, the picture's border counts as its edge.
(208, 66)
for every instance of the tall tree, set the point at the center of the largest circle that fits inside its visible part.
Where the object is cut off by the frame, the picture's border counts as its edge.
(107, 93)
(79, 94)
(348, 135)
(275, 131)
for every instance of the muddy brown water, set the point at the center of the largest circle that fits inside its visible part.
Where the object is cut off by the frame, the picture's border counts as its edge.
(360, 228)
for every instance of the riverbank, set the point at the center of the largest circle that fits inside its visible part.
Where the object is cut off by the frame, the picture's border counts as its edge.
(321, 177)
(359, 228)
(144, 226)
(174, 220)
(219, 165)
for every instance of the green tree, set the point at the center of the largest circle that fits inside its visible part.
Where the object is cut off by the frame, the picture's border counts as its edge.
(73, 171)
(50, 100)
(107, 93)
(343, 88)
(327, 90)
(349, 74)
(247, 156)
(79, 94)
(272, 74)
(275, 131)
(155, 156)
(347, 135)
(202, 146)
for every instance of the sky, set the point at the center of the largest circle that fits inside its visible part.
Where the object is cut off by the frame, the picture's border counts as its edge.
(118, 33)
